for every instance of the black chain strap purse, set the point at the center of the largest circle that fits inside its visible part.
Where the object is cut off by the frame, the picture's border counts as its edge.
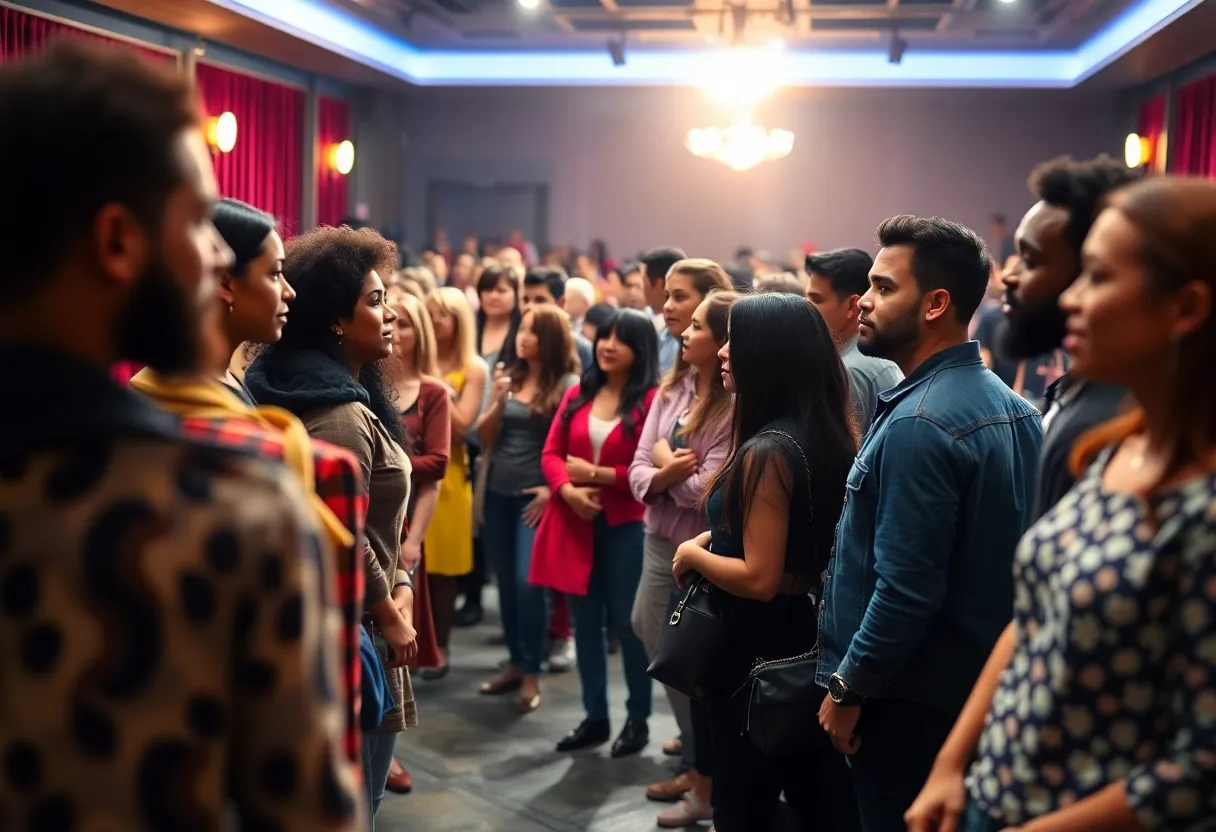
(782, 713)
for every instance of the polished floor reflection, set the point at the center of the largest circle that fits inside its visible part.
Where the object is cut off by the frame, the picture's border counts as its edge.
(480, 767)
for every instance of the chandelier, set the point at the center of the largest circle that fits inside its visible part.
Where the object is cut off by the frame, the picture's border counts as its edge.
(741, 145)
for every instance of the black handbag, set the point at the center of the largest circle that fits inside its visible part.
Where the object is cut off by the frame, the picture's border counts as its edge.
(690, 647)
(782, 713)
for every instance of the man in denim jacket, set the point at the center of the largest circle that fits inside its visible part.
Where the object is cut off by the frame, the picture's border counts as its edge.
(920, 585)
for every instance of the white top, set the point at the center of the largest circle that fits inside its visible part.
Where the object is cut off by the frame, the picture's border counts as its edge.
(599, 430)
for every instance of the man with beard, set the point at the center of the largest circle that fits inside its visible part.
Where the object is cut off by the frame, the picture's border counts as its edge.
(166, 645)
(1049, 242)
(920, 586)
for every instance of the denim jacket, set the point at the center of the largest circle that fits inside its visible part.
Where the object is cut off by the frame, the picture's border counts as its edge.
(920, 584)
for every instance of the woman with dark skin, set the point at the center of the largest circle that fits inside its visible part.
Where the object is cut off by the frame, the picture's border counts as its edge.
(255, 295)
(327, 369)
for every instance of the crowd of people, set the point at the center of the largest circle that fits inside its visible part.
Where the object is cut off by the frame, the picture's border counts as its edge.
(884, 590)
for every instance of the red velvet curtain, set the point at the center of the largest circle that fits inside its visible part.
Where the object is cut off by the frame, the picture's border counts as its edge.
(333, 126)
(1152, 127)
(264, 167)
(23, 35)
(1193, 143)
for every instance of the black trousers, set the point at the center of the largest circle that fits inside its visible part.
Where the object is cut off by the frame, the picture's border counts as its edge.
(702, 740)
(899, 742)
(748, 785)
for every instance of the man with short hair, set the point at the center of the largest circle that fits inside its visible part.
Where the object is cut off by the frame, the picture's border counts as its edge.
(167, 649)
(547, 285)
(920, 585)
(655, 266)
(836, 281)
(633, 282)
(1049, 242)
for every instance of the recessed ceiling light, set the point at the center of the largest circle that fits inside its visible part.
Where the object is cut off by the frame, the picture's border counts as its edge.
(1008, 1)
(529, 4)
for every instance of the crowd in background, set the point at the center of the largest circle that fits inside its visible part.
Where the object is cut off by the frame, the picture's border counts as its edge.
(940, 604)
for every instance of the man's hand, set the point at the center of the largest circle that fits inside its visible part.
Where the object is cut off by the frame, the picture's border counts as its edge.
(840, 723)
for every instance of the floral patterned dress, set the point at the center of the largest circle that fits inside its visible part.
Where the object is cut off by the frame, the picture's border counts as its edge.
(1114, 673)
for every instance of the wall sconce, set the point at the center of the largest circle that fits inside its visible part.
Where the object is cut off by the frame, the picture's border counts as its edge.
(341, 157)
(221, 132)
(1137, 150)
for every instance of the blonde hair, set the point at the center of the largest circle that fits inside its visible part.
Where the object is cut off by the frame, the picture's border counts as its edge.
(422, 275)
(425, 348)
(706, 275)
(453, 302)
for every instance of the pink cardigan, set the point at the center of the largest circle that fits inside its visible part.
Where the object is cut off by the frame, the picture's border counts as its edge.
(563, 551)
(675, 514)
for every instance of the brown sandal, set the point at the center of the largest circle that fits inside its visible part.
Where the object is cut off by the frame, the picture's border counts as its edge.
(501, 685)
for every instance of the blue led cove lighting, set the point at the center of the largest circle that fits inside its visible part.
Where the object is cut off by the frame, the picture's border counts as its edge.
(344, 33)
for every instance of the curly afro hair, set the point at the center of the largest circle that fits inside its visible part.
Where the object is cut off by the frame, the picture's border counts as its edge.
(1080, 188)
(327, 267)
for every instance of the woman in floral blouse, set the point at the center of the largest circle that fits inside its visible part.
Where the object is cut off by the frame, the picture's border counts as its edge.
(1097, 710)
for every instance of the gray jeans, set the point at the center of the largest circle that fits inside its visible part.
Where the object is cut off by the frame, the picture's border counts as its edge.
(649, 617)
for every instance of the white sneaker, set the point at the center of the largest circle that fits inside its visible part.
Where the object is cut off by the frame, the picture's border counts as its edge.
(561, 656)
(685, 813)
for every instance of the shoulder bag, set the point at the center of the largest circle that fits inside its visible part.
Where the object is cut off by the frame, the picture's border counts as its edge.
(782, 711)
(686, 659)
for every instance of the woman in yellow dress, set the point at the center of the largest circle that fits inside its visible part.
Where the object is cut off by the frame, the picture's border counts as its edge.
(449, 540)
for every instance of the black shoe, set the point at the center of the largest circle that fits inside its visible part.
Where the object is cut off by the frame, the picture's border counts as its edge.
(590, 733)
(468, 616)
(633, 739)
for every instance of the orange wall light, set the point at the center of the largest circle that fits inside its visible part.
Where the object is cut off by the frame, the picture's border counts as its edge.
(341, 157)
(221, 132)
(1137, 151)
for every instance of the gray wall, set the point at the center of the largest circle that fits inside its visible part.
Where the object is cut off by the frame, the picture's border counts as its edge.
(617, 168)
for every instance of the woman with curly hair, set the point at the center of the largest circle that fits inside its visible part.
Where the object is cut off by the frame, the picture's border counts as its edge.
(328, 369)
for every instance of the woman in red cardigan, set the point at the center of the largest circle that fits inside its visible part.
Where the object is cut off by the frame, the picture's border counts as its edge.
(589, 543)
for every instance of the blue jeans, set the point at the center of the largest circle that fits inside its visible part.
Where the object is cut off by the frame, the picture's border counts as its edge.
(377, 758)
(508, 544)
(615, 573)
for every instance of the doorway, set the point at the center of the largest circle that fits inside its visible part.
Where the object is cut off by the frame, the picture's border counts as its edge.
(491, 212)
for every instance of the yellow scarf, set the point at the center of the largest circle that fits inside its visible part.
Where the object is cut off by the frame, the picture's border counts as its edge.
(204, 399)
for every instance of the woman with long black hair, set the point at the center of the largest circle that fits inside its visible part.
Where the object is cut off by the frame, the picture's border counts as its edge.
(328, 370)
(589, 543)
(773, 507)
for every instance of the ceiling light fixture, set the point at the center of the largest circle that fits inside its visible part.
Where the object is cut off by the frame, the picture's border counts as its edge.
(742, 145)
(529, 4)
(616, 48)
(742, 77)
(895, 53)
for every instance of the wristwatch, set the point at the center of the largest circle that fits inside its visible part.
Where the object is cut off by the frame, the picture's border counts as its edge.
(841, 693)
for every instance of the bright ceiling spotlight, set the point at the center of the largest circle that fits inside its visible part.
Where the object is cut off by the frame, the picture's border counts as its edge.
(529, 4)
(1007, 2)
(742, 77)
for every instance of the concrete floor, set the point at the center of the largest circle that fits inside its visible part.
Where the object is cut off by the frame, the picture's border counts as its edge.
(480, 767)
